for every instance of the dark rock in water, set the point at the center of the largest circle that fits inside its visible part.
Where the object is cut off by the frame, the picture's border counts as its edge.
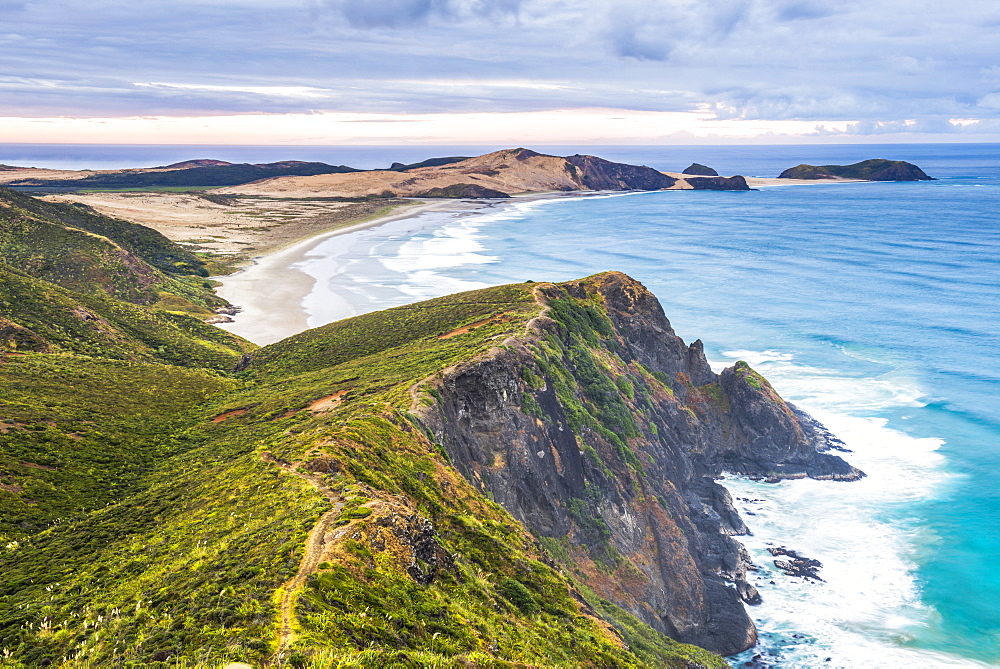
(877, 169)
(599, 174)
(463, 191)
(757, 662)
(719, 183)
(797, 565)
(700, 170)
(651, 502)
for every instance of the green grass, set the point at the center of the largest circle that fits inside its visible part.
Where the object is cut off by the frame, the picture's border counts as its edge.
(418, 324)
(80, 433)
(75, 247)
(179, 557)
(44, 317)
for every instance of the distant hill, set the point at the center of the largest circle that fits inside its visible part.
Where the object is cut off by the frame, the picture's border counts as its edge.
(190, 174)
(510, 171)
(497, 174)
(200, 162)
(878, 169)
(430, 162)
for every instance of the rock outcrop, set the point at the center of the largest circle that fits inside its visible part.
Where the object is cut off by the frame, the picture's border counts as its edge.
(718, 183)
(697, 169)
(603, 432)
(877, 169)
(599, 174)
(463, 190)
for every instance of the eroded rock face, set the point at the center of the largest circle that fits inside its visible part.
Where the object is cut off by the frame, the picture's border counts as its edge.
(598, 174)
(602, 430)
(15, 337)
(718, 183)
(395, 528)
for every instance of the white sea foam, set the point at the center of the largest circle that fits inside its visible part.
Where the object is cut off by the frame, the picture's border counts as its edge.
(868, 606)
(399, 262)
(405, 261)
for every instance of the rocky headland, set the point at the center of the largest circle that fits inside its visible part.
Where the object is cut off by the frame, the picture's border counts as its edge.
(603, 433)
(512, 476)
(498, 174)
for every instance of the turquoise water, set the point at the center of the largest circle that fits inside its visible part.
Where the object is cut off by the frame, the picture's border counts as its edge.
(874, 306)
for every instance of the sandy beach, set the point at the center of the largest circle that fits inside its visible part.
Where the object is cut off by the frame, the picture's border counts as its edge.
(277, 294)
(271, 291)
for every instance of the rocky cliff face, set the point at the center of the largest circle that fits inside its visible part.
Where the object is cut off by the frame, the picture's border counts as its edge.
(718, 183)
(602, 431)
(598, 174)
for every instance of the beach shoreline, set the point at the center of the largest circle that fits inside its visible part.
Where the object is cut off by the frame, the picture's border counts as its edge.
(272, 291)
(267, 316)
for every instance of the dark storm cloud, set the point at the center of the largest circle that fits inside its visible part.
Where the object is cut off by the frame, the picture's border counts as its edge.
(878, 64)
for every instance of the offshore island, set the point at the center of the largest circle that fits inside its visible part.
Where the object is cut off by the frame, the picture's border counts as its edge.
(521, 475)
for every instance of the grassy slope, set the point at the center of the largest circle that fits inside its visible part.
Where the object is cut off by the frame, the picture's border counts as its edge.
(78, 433)
(186, 568)
(74, 247)
(38, 316)
(143, 242)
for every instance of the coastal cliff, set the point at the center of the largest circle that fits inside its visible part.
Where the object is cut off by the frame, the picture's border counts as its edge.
(603, 432)
(511, 476)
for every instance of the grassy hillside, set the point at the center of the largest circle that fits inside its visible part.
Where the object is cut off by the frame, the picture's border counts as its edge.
(93, 254)
(142, 242)
(298, 515)
(39, 316)
(79, 433)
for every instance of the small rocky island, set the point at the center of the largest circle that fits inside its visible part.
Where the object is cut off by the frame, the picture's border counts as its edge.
(877, 169)
(699, 170)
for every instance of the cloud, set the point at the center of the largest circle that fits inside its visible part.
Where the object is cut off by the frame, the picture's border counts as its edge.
(798, 11)
(404, 13)
(854, 61)
(389, 13)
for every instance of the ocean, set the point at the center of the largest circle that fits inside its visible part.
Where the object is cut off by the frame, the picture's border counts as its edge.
(874, 306)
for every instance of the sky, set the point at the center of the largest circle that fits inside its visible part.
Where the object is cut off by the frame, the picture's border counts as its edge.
(495, 71)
